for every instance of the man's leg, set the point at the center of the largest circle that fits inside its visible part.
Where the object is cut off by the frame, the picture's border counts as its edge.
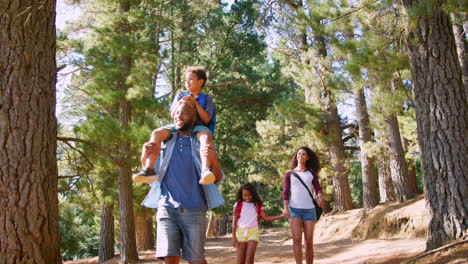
(150, 155)
(172, 260)
(168, 235)
(192, 224)
(207, 176)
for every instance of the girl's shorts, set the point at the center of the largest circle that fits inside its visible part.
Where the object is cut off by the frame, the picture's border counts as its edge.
(247, 234)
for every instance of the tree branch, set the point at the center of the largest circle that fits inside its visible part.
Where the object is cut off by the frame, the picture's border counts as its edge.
(95, 146)
(352, 148)
(348, 137)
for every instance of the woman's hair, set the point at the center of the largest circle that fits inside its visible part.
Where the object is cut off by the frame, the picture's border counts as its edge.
(252, 190)
(312, 163)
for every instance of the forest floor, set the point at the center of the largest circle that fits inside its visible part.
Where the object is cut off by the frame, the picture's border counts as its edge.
(389, 234)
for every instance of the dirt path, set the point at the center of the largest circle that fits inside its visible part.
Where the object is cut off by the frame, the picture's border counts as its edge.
(276, 247)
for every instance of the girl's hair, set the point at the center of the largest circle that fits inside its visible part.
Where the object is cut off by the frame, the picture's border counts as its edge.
(252, 190)
(312, 163)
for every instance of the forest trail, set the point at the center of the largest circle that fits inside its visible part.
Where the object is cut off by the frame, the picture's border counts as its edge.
(391, 233)
(276, 247)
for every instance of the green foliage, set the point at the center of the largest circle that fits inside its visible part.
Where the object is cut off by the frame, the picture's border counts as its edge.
(355, 183)
(79, 232)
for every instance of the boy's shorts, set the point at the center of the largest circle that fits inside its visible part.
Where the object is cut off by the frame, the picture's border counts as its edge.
(195, 129)
(247, 234)
(180, 229)
(303, 214)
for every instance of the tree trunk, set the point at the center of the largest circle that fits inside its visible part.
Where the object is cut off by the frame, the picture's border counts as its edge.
(398, 166)
(413, 181)
(442, 118)
(29, 225)
(369, 178)
(144, 229)
(386, 188)
(128, 251)
(106, 234)
(343, 200)
(462, 49)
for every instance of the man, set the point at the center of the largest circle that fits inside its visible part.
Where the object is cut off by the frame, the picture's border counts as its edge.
(180, 200)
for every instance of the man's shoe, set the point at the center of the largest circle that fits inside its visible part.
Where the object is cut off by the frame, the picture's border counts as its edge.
(207, 177)
(147, 175)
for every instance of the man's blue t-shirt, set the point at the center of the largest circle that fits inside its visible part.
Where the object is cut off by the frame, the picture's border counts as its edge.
(180, 187)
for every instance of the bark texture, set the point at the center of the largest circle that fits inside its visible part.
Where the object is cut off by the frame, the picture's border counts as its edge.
(442, 118)
(462, 49)
(369, 178)
(398, 166)
(29, 228)
(106, 234)
(343, 200)
(386, 188)
(144, 229)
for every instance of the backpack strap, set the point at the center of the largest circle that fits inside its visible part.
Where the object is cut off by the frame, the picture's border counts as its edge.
(259, 212)
(238, 209)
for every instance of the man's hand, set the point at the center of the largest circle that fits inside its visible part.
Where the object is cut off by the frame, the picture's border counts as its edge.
(150, 147)
(208, 152)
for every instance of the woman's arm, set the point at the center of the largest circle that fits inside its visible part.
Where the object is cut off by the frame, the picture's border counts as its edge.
(318, 189)
(286, 194)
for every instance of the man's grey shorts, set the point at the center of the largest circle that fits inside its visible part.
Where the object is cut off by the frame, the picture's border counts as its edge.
(180, 229)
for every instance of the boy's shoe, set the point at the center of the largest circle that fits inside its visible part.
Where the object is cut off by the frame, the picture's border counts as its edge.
(207, 177)
(146, 175)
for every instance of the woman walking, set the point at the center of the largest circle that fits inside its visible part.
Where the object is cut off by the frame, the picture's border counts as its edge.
(298, 203)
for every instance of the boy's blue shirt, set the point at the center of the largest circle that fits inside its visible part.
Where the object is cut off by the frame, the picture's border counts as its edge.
(212, 194)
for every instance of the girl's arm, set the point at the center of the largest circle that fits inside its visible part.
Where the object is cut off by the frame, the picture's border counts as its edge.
(234, 227)
(271, 218)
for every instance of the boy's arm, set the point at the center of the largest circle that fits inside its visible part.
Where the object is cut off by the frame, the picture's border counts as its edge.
(204, 116)
(174, 105)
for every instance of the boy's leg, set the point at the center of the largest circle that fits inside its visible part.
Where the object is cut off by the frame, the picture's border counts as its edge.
(207, 176)
(150, 155)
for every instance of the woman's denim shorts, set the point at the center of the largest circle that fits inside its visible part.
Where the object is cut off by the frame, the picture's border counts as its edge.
(303, 214)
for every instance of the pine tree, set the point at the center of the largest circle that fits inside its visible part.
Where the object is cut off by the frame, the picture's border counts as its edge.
(442, 116)
(29, 231)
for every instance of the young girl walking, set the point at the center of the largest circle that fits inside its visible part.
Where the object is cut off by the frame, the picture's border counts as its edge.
(246, 216)
(298, 202)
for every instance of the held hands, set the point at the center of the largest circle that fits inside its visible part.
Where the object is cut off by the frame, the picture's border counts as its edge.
(286, 213)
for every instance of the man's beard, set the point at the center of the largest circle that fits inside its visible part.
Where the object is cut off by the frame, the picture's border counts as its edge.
(185, 127)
